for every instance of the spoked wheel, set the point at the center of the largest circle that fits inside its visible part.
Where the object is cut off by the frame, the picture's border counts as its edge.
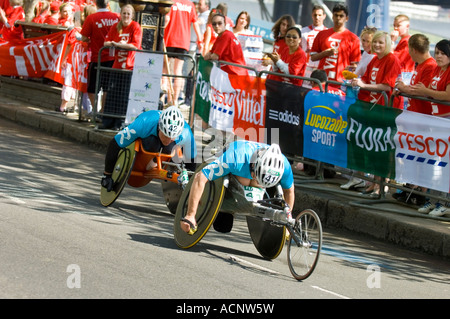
(304, 250)
(120, 175)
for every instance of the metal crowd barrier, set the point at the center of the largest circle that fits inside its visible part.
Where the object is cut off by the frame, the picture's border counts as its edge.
(113, 87)
(318, 178)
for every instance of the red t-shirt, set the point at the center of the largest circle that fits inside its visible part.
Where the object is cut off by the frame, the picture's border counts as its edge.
(297, 65)
(177, 33)
(349, 51)
(422, 74)
(380, 71)
(96, 27)
(279, 45)
(13, 14)
(228, 48)
(39, 19)
(439, 82)
(401, 51)
(131, 34)
(51, 20)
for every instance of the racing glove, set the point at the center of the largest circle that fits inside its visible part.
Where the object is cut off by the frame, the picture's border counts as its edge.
(107, 182)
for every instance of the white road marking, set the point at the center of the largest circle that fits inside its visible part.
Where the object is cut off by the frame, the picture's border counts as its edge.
(331, 292)
(242, 261)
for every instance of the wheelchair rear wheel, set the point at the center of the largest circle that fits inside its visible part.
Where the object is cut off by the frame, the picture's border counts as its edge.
(120, 175)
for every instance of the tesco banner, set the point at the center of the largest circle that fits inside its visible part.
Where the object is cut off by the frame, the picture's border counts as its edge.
(43, 57)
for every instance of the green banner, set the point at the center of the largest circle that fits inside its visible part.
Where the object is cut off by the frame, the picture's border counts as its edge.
(203, 89)
(370, 135)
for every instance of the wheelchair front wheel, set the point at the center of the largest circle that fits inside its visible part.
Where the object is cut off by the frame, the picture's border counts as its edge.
(303, 251)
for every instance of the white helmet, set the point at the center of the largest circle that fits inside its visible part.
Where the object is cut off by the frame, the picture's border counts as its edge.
(171, 122)
(269, 165)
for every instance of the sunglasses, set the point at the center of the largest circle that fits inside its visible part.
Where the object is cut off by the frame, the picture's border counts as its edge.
(216, 23)
(291, 36)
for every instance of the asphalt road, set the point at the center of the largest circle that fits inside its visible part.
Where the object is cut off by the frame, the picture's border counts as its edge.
(57, 241)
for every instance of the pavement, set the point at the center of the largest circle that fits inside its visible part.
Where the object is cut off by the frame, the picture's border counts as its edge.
(384, 219)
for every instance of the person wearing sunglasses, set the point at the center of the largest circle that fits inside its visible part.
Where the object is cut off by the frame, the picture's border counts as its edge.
(291, 60)
(226, 48)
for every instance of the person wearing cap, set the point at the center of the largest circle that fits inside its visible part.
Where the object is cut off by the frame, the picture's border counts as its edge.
(53, 17)
(253, 164)
(160, 131)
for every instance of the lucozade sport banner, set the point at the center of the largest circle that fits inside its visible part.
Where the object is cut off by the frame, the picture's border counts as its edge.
(43, 57)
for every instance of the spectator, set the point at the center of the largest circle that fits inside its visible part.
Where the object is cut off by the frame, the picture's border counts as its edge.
(292, 60)
(94, 31)
(14, 13)
(419, 46)
(68, 93)
(242, 24)
(202, 19)
(401, 29)
(336, 48)
(419, 49)
(210, 36)
(438, 89)
(309, 34)
(367, 55)
(86, 111)
(53, 17)
(125, 36)
(66, 15)
(177, 40)
(226, 48)
(380, 75)
(42, 10)
(279, 31)
(223, 9)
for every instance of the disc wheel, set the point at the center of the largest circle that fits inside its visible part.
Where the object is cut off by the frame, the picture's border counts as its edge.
(303, 255)
(268, 239)
(120, 175)
(207, 211)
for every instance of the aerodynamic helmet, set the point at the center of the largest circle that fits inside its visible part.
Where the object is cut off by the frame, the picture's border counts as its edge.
(171, 122)
(268, 165)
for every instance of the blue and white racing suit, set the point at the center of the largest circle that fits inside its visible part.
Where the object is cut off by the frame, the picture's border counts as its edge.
(146, 125)
(236, 160)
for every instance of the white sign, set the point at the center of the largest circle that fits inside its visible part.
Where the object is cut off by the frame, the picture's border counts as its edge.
(145, 84)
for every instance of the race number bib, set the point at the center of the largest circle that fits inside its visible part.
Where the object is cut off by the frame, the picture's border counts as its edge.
(253, 194)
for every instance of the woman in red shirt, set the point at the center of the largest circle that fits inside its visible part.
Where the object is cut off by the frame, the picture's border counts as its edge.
(125, 36)
(279, 30)
(381, 73)
(291, 60)
(439, 87)
(226, 48)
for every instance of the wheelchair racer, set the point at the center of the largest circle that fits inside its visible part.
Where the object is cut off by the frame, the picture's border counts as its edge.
(159, 131)
(253, 164)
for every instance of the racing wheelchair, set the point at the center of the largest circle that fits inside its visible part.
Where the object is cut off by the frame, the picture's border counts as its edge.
(137, 167)
(266, 218)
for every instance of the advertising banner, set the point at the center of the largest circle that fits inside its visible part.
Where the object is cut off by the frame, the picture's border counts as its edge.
(237, 104)
(203, 89)
(401, 145)
(145, 84)
(284, 117)
(43, 57)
